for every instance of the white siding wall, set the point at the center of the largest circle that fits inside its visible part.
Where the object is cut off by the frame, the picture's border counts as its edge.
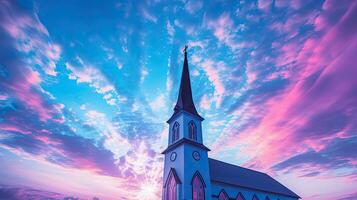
(247, 193)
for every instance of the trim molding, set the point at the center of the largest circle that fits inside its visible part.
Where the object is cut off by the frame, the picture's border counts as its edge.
(185, 141)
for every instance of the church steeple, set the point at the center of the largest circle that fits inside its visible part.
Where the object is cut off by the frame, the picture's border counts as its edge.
(186, 157)
(184, 100)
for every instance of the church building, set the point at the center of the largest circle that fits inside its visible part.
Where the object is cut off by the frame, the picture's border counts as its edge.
(189, 174)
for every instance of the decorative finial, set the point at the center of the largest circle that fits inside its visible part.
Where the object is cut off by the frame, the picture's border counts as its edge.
(185, 49)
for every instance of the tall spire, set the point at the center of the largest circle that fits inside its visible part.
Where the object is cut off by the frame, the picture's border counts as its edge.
(184, 100)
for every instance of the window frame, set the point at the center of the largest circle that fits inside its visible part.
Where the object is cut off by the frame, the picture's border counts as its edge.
(175, 133)
(171, 176)
(192, 135)
(240, 195)
(224, 193)
(200, 178)
(255, 197)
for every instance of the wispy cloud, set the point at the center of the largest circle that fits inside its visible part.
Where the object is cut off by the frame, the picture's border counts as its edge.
(274, 80)
(85, 73)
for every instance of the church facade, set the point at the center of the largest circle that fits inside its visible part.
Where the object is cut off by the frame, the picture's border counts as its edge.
(189, 174)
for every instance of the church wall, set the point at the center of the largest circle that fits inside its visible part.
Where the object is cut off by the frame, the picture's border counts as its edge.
(184, 164)
(191, 166)
(247, 193)
(177, 164)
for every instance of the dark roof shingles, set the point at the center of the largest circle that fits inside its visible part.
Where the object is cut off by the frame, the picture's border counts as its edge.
(234, 175)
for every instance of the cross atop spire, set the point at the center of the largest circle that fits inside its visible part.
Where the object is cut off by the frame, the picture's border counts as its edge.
(185, 49)
(184, 100)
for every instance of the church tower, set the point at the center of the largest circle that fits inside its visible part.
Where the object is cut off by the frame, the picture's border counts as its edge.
(186, 168)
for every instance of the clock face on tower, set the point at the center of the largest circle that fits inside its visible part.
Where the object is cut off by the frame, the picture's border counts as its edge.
(196, 155)
(173, 156)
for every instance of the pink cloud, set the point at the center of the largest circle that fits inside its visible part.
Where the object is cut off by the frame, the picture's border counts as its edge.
(205, 102)
(32, 38)
(224, 30)
(324, 20)
(3, 97)
(193, 6)
(9, 127)
(277, 136)
(47, 140)
(281, 3)
(264, 4)
(212, 71)
(24, 91)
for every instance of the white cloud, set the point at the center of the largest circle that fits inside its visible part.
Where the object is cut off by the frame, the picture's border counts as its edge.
(107, 96)
(205, 103)
(112, 138)
(225, 31)
(3, 96)
(195, 58)
(83, 107)
(201, 44)
(148, 16)
(143, 73)
(195, 73)
(168, 79)
(170, 29)
(93, 114)
(92, 76)
(105, 89)
(159, 103)
(193, 6)
(113, 57)
(178, 23)
(111, 102)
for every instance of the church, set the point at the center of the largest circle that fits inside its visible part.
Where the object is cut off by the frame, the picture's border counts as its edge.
(189, 174)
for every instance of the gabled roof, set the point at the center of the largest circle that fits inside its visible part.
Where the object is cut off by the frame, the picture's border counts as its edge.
(225, 173)
(184, 99)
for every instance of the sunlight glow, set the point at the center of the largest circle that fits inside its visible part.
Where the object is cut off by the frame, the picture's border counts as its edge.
(147, 191)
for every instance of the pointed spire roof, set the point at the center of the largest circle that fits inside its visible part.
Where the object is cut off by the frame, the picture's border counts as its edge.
(184, 100)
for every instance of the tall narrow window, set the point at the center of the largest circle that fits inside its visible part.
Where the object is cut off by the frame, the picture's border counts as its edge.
(198, 187)
(175, 131)
(192, 130)
(171, 189)
(240, 196)
(223, 196)
(171, 186)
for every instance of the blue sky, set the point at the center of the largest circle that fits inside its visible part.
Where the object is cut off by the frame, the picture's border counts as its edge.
(87, 86)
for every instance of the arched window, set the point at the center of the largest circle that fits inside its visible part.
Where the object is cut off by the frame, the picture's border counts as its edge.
(171, 186)
(175, 131)
(198, 187)
(192, 130)
(240, 196)
(255, 197)
(171, 189)
(223, 195)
